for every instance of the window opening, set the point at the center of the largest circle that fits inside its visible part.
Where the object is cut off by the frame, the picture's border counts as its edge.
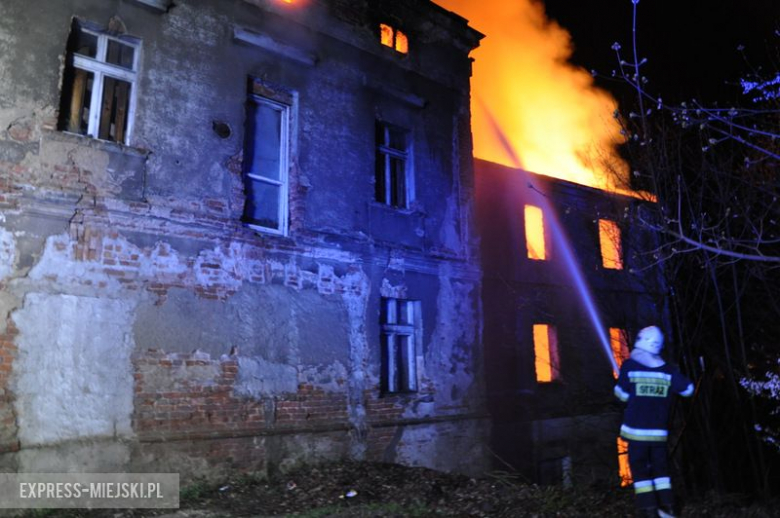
(265, 165)
(547, 360)
(535, 239)
(618, 341)
(393, 179)
(399, 319)
(611, 246)
(99, 84)
(393, 38)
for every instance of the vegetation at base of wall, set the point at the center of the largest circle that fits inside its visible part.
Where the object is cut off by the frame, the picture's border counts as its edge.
(375, 509)
(388, 490)
(194, 491)
(38, 513)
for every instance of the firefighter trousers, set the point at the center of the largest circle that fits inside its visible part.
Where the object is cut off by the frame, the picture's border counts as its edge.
(650, 471)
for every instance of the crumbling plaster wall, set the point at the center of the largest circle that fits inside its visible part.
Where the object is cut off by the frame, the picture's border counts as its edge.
(7, 253)
(70, 366)
(108, 252)
(80, 320)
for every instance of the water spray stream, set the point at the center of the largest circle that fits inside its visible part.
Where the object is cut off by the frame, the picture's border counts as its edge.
(561, 242)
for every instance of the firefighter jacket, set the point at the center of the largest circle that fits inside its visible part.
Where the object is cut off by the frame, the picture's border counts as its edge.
(649, 391)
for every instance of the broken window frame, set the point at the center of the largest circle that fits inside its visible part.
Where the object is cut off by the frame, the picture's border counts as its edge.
(394, 176)
(400, 329)
(119, 115)
(546, 353)
(254, 179)
(391, 37)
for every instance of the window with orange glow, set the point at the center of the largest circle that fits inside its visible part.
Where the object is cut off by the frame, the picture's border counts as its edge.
(546, 353)
(534, 233)
(401, 42)
(623, 468)
(393, 38)
(611, 245)
(619, 343)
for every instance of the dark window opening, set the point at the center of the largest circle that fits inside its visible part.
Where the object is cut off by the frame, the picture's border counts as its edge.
(98, 84)
(399, 320)
(393, 185)
(265, 165)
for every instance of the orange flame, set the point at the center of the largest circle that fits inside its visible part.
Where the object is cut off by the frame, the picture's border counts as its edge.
(534, 233)
(611, 245)
(619, 344)
(546, 353)
(391, 37)
(386, 35)
(624, 469)
(559, 123)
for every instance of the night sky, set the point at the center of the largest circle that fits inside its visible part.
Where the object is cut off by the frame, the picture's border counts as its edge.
(691, 45)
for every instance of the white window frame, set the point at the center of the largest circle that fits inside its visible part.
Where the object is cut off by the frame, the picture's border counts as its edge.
(101, 69)
(384, 155)
(399, 342)
(284, 160)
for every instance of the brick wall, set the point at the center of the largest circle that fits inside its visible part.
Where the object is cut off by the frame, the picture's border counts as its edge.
(224, 456)
(311, 406)
(8, 427)
(215, 273)
(181, 401)
(189, 399)
(192, 396)
(381, 412)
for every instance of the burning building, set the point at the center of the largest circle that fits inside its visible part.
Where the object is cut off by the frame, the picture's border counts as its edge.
(564, 289)
(237, 234)
(241, 234)
(566, 281)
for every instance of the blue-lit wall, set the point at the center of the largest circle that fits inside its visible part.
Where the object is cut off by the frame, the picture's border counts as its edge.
(139, 315)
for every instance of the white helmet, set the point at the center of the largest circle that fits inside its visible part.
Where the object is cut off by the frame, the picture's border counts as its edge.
(650, 339)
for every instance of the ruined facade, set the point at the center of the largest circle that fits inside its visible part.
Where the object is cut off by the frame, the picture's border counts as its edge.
(550, 378)
(237, 234)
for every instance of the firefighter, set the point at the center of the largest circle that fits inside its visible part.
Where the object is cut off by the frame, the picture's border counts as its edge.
(648, 385)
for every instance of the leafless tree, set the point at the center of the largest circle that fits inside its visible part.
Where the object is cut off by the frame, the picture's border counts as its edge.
(714, 175)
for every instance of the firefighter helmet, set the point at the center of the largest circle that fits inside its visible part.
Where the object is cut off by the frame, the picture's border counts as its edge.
(650, 339)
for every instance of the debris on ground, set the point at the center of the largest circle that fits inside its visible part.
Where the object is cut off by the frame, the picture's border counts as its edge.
(362, 489)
